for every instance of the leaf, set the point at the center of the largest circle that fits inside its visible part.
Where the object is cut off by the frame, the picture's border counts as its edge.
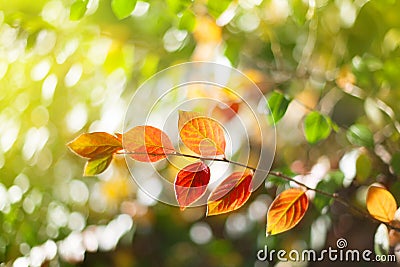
(381, 203)
(231, 194)
(201, 134)
(119, 136)
(286, 210)
(186, 116)
(97, 166)
(381, 240)
(316, 127)
(191, 183)
(360, 135)
(95, 145)
(78, 9)
(278, 105)
(123, 8)
(321, 201)
(330, 184)
(149, 143)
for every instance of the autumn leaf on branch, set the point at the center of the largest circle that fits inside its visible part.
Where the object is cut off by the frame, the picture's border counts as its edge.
(95, 145)
(147, 144)
(203, 135)
(97, 166)
(98, 147)
(381, 204)
(231, 194)
(286, 211)
(191, 183)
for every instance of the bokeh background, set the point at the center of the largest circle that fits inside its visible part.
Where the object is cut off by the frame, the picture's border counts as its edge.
(62, 75)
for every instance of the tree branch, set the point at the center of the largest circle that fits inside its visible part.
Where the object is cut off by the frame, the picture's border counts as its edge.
(334, 196)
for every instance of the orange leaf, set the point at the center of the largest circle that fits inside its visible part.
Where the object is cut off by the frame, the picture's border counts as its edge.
(231, 194)
(286, 211)
(185, 116)
(147, 144)
(95, 145)
(119, 136)
(381, 203)
(191, 183)
(201, 134)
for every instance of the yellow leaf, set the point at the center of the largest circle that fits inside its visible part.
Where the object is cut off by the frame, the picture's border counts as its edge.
(381, 203)
(95, 145)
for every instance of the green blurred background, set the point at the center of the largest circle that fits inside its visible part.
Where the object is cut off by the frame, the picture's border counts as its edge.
(66, 72)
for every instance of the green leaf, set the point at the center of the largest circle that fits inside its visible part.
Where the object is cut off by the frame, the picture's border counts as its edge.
(187, 21)
(330, 184)
(123, 8)
(78, 9)
(363, 167)
(381, 240)
(97, 166)
(395, 163)
(276, 181)
(317, 127)
(278, 105)
(360, 135)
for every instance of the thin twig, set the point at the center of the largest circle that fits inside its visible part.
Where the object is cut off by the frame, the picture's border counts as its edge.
(334, 196)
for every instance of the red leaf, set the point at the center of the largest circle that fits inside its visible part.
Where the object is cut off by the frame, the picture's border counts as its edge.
(95, 145)
(286, 210)
(147, 144)
(191, 183)
(203, 135)
(231, 194)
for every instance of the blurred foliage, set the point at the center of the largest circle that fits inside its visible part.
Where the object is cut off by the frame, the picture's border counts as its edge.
(70, 66)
